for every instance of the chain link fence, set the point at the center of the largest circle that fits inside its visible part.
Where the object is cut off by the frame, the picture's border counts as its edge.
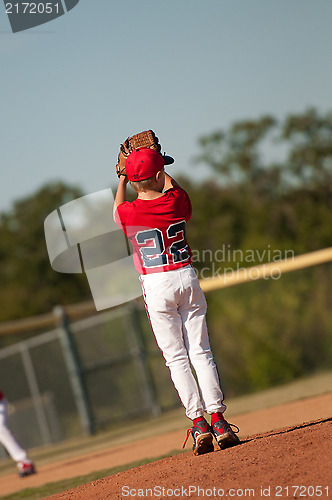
(85, 375)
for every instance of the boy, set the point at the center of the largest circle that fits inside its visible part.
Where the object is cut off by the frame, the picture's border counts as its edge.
(24, 465)
(176, 306)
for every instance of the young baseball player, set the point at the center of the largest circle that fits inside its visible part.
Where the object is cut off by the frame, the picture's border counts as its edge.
(24, 464)
(155, 225)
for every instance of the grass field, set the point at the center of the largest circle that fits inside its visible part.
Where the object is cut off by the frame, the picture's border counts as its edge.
(67, 484)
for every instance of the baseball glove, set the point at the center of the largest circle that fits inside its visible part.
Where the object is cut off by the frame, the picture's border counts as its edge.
(145, 139)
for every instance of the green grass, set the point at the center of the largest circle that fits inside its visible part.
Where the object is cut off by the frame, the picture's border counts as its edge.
(67, 484)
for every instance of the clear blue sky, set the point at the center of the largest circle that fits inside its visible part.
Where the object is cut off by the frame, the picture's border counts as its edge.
(73, 89)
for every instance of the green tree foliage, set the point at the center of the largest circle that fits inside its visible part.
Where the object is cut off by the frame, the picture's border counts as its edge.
(238, 155)
(270, 331)
(29, 285)
(253, 200)
(234, 153)
(310, 156)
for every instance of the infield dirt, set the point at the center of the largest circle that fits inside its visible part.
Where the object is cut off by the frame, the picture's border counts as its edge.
(290, 463)
(285, 437)
(282, 446)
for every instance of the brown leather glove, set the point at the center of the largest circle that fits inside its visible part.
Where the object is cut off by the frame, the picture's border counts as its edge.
(145, 139)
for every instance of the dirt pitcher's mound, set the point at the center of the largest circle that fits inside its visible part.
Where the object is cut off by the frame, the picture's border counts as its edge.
(290, 463)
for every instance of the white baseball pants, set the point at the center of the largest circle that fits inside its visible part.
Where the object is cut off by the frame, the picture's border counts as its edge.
(176, 307)
(7, 439)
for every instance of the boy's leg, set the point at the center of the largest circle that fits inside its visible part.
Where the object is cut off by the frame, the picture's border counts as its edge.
(7, 439)
(161, 294)
(193, 311)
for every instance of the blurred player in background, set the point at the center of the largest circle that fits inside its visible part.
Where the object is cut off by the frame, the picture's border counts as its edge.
(24, 465)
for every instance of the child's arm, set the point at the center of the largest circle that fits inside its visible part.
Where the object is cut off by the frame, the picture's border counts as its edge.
(170, 182)
(120, 196)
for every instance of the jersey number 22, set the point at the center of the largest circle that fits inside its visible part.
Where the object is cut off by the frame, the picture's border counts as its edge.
(154, 255)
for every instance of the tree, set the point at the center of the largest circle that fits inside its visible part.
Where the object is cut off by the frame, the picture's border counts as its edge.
(310, 155)
(28, 283)
(236, 155)
(276, 330)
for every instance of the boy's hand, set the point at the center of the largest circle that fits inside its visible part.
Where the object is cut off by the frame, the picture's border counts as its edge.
(123, 179)
(120, 167)
(170, 182)
(145, 139)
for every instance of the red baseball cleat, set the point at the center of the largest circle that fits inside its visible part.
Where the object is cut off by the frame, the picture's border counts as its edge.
(25, 469)
(202, 436)
(224, 434)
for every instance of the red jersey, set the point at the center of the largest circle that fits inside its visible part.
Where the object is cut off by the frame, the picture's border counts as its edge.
(156, 230)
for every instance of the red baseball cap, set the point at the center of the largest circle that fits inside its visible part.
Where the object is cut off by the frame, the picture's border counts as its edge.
(143, 163)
